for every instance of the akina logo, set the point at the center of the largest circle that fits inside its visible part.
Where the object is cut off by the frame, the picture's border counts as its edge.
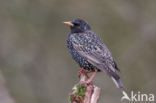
(138, 97)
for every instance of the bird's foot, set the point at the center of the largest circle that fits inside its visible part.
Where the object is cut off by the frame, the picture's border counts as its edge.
(85, 72)
(82, 71)
(88, 82)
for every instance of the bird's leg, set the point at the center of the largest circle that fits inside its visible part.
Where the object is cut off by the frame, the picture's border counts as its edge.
(89, 81)
(82, 71)
(91, 78)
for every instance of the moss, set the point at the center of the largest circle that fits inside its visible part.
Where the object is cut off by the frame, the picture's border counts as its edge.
(79, 95)
(69, 98)
(81, 91)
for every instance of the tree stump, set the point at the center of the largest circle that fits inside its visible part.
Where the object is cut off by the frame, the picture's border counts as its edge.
(84, 93)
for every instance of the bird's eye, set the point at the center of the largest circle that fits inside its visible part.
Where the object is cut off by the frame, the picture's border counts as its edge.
(76, 24)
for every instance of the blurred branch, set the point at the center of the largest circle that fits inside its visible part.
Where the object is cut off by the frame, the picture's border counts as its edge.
(84, 93)
(4, 93)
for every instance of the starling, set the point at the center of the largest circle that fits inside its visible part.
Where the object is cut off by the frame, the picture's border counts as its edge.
(89, 51)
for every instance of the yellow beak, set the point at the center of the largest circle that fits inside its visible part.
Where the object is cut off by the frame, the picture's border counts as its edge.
(68, 23)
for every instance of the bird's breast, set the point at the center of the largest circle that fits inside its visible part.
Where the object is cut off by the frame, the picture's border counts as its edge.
(78, 58)
(73, 52)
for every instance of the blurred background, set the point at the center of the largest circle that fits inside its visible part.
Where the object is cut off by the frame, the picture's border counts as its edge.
(36, 67)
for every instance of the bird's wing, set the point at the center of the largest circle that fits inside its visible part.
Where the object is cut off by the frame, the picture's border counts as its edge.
(93, 49)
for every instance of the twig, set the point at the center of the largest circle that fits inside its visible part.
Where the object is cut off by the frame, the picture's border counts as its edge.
(84, 93)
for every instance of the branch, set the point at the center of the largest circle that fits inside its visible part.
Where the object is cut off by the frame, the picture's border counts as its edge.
(5, 96)
(84, 93)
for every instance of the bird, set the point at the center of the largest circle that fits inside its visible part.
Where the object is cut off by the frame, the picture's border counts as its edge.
(90, 52)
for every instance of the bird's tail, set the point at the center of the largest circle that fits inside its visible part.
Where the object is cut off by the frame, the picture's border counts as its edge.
(118, 83)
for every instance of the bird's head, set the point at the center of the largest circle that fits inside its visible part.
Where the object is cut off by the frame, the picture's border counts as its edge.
(78, 25)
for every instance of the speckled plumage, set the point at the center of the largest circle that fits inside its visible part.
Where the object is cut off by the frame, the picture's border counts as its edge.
(89, 51)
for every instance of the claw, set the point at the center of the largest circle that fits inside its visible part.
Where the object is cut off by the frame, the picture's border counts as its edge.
(85, 72)
(86, 82)
(89, 81)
